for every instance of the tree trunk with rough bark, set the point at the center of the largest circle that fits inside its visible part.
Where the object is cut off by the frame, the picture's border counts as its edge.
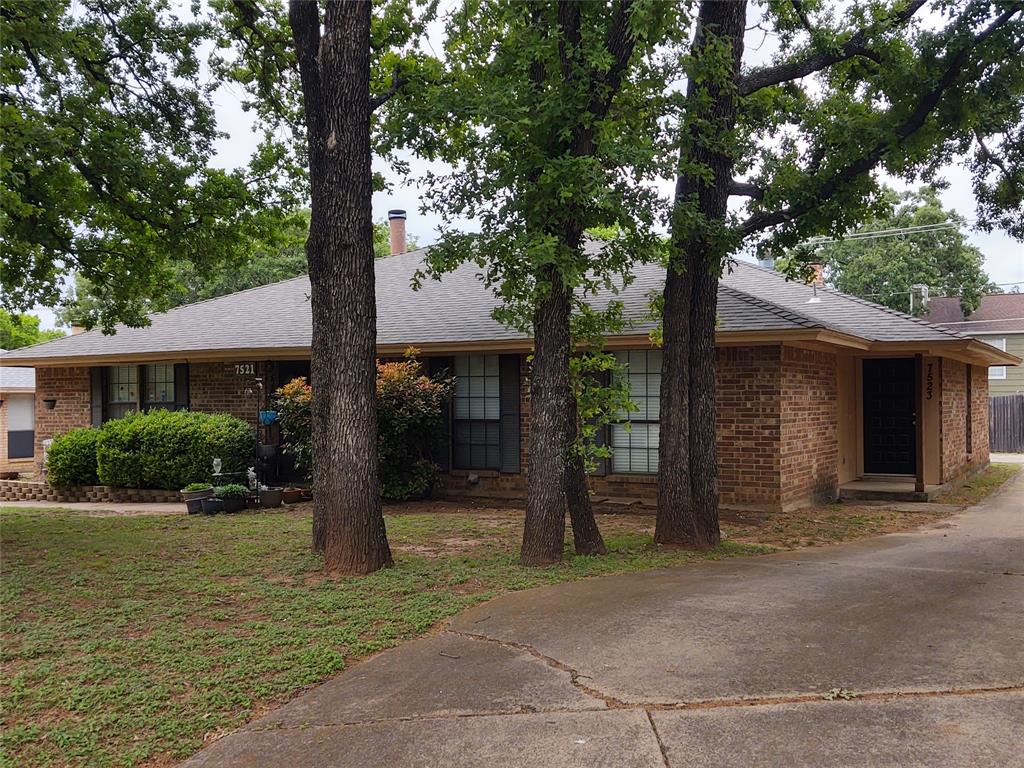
(335, 71)
(709, 103)
(550, 435)
(674, 521)
(586, 536)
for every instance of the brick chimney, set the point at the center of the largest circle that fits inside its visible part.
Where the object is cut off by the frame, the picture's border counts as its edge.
(818, 276)
(396, 220)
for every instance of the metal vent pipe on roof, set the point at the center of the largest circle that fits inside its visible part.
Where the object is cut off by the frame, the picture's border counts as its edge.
(396, 221)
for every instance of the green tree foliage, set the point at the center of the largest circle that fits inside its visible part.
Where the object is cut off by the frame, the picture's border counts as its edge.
(550, 116)
(108, 131)
(904, 86)
(884, 269)
(409, 419)
(23, 331)
(280, 257)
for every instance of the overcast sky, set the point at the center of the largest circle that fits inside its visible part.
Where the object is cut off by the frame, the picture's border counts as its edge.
(1004, 257)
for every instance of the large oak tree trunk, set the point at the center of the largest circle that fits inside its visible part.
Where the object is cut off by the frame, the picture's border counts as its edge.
(551, 430)
(711, 113)
(673, 523)
(335, 70)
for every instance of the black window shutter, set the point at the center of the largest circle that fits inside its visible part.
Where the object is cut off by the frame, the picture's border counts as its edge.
(181, 386)
(96, 398)
(442, 456)
(508, 368)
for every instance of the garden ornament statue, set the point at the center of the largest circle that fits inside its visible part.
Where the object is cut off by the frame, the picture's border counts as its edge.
(217, 464)
(251, 476)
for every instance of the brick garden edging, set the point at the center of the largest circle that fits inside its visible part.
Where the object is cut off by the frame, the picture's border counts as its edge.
(20, 490)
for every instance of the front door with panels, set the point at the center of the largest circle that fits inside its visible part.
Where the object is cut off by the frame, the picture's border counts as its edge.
(890, 437)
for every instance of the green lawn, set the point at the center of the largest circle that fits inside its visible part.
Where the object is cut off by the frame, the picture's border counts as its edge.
(132, 640)
(128, 641)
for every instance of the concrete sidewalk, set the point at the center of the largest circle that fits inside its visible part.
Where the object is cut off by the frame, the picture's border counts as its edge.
(733, 663)
(103, 508)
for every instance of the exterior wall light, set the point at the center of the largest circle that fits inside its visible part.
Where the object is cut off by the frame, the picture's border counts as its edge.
(50, 403)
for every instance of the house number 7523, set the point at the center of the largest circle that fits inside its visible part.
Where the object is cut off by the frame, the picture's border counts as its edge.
(245, 369)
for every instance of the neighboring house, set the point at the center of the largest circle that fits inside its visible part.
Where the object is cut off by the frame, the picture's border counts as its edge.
(999, 321)
(816, 389)
(17, 419)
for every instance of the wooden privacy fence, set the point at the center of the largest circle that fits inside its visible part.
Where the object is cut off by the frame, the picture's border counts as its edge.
(1006, 423)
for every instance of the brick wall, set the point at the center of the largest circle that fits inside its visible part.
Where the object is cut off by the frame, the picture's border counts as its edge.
(749, 426)
(748, 429)
(72, 390)
(810, 440)
(20, 490)
(956, 458)
(216, 388)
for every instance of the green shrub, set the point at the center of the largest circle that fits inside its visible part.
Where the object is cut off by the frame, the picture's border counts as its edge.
(71, 459)
(409, 413)
(191, 487)
(231, 491)
(171, 449)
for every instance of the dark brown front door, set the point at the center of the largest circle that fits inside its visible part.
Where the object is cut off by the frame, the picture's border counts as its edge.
(889, 433)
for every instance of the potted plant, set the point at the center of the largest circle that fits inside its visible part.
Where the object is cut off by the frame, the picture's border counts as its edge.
(271, 497)
(193, 494)
(212, 505)
(292, 495)
(233, 496)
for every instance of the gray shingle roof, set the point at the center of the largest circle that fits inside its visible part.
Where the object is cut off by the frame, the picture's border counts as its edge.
(16, 378)
(458, 309)
(834, 310)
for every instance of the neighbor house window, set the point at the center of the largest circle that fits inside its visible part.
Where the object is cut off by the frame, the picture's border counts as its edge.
(997, 371)
(159, 386)
(634, 438)
(122, 391)
(476, 441)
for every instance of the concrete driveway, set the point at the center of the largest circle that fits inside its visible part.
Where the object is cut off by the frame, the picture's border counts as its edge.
(904, 650)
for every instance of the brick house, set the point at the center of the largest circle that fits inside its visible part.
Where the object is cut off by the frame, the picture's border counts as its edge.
(818, 392)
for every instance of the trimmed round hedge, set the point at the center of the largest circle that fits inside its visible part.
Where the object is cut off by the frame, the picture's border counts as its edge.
(71, 459)
(170, 449)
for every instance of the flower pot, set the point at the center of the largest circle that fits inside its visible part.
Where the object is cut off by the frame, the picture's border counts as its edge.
(271, 498)
(307, 494)
(212, 506)
(251, 502)
(194, 500)
(292, 495)
(234, 504)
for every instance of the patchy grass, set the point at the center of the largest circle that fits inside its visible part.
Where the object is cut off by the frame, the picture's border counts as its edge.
(134, 640)
(131, 641)
(980, 486)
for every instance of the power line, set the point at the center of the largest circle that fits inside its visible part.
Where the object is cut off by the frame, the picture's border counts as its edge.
(881, 233)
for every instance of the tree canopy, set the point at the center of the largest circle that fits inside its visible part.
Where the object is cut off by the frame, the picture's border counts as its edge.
(883, 269)
(23, 331)
(281, 255)
(108, 131)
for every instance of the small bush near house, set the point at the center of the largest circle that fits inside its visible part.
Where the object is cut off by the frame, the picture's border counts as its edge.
(170, 449)
(71, 459)
(409, 418)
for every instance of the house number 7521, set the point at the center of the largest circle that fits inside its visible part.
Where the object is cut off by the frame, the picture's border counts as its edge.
(245, 369)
